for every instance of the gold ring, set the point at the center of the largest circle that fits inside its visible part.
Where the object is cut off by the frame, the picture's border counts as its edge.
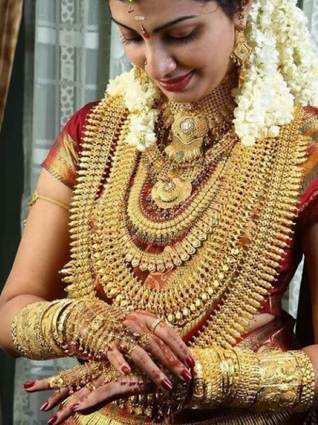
(132, 349)
(155, 324)
(91, 386)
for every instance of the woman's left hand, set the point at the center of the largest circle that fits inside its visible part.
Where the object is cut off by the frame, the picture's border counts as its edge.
(91, 396)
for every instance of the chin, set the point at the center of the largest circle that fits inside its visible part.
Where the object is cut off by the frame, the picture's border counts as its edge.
(186, 96)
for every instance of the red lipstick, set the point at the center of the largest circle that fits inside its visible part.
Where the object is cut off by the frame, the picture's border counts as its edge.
(176, 84)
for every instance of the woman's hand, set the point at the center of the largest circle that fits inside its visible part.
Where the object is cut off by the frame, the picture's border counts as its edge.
(108, 386)
(84, 389)
(164, 345)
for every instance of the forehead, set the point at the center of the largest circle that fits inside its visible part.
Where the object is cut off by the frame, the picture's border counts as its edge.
(158, 10)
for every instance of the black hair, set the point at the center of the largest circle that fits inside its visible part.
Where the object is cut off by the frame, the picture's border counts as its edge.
(229, 6)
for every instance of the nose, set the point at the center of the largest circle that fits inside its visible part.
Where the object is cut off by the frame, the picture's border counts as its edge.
(159, 63)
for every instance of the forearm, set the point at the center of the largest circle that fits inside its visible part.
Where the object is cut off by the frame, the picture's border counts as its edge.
(241, 378)
(8, 311)
(82, 328)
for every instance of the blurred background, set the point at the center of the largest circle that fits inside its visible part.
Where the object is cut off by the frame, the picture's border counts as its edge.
(55, 56)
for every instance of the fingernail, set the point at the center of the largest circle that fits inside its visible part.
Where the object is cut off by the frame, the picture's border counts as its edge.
(166, 385)
(75, 407)
(126, 370)
(186, 375)
(52, 420)
(44, 406)
(190, 362)
(28, 385)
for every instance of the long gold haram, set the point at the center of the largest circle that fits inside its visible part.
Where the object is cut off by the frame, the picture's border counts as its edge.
(103, 128)
(245, 295)
(221, 267)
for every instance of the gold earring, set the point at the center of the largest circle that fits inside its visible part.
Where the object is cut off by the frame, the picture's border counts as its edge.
(137, 73)
(242, 51)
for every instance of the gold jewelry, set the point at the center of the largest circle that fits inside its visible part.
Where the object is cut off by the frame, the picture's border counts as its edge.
(129, 352)
(155, 324)
(80, 376)
(241, 378)
(90, 386)
(247, 231)
(51, 330)
(37, 196)
(242, 50)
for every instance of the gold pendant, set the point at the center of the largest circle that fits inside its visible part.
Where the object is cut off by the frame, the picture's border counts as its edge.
(188, 136)
(170, 193)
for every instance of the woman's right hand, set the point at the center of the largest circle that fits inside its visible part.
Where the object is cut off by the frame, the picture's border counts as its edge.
(164, 347)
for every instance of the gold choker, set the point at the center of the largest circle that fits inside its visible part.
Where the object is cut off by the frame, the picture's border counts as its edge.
(193, 127)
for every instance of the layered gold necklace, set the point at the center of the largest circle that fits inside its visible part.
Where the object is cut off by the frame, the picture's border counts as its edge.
(194, 127)
(225, 242)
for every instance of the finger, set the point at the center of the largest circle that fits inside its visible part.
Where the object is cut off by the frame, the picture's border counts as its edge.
(118, 361)
(141, 358)
(167, 334)
(66, 410)
(40, 385)
(56, 399)
(105, 393)
(163, 353)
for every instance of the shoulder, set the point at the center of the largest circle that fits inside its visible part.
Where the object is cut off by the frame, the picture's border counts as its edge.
(76, 125)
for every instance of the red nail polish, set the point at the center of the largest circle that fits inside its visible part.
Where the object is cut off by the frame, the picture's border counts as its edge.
(52, 420)
(166, 385)
(28, 385)
(44, 406)
(126, 370)
(186, 375)
(190, 362)
(75, 407)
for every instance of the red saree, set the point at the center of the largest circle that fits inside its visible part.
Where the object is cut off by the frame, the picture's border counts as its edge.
(278, 335)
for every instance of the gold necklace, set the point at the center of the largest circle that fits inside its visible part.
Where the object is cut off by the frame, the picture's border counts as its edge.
(197, 212)
(192, 126)
(238, 261)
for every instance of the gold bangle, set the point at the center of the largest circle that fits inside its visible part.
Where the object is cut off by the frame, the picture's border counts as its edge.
(36, 196)
(246, 378)
(306, 370)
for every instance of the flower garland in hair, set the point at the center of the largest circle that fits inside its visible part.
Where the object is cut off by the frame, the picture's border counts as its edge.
(282, 72)
(139, 97)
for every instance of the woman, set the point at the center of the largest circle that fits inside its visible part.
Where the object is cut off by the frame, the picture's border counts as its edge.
(191, 193)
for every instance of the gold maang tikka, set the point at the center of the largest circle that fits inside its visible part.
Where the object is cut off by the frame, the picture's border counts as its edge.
(139, 19)
(242, 50)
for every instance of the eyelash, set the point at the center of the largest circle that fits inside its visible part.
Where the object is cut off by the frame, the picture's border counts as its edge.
(171, 40)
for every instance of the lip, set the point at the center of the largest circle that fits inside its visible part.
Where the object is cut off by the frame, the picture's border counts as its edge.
(177, 84)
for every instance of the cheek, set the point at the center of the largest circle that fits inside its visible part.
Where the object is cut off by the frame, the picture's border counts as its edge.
(216, 52)
(135, 55)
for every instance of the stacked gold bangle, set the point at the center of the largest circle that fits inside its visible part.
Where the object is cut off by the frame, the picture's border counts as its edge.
(241, 378)
(82, 328)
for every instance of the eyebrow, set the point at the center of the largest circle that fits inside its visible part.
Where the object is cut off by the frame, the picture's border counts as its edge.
(161, 27)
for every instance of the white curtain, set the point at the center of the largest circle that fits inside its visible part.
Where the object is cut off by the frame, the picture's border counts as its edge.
(67, 65)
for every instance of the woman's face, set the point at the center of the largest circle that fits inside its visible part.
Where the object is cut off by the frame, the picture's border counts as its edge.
(189, 46)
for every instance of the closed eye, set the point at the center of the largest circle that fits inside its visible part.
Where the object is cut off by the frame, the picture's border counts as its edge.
(169, 39)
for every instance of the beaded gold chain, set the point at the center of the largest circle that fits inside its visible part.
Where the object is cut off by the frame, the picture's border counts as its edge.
(238, 260)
